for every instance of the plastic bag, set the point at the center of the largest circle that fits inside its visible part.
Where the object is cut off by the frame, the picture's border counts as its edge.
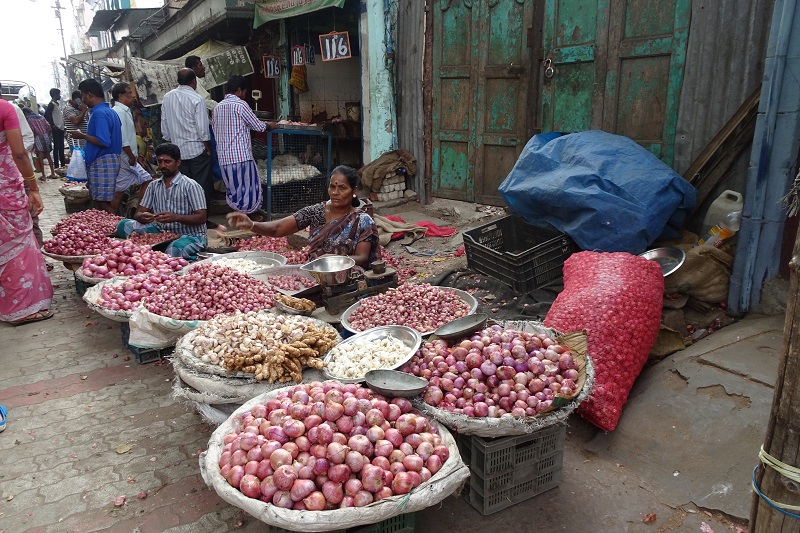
(76, 171)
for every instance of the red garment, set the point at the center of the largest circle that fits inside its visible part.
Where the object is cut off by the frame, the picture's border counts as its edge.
(433, 229)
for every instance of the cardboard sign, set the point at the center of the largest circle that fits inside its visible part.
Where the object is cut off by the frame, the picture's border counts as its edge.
(335, 45)
(298, 55)
(272, 66)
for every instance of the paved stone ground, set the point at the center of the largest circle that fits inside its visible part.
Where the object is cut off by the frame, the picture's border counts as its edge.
(87, 424)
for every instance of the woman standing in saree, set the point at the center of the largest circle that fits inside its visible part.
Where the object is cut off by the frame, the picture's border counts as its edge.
(336, 227)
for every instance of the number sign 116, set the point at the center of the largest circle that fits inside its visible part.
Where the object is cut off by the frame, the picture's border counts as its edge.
(335, 45)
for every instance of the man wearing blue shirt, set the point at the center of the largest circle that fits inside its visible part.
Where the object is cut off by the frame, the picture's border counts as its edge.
(103, 145)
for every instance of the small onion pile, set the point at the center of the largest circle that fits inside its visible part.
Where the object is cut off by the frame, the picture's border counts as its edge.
(239, 264)
(149, 239)
(291, 282)
(92, 220)
(422, 307)
(403, 273)
(325, 446)
(74, 241)
(353, 360)
(261, 243)
(296, 257)
(123, 258)
(497, 372)
(127, 295)
(206, 291)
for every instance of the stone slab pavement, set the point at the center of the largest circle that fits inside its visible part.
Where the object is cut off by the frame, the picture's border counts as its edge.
(87, 424)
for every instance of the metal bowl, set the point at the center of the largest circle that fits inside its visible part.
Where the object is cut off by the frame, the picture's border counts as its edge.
(669, 258)
(330, 270)
(462, 327)
(393, 383)
(465, 297)
(408, 336)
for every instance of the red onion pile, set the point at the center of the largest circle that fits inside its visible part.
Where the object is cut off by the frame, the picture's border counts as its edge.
(261, 243)
(93, 220)
(325, 446)
(291, 282)
(403, 273)
(617, 299)
(123, 258)
(496, 372)
(208, 290)
(127, 296)
(149, 239)
(422, 307)
(296, 257)
(77, 241)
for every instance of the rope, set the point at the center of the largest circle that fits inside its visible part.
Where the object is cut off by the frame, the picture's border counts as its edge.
(785, 470)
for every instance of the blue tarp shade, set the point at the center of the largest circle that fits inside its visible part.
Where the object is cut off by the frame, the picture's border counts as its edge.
(603, 190)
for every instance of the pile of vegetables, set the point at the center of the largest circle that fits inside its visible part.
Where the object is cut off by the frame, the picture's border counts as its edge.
(422, 307)
(328, 446)
(73, 241)
(128, 294)
(274, 347)
(617, 299)
(496, 372)
(91, 220)
(291, 282)
(296, 257)
(239, 264)
(353, 360)
(260, 243)
(149, 239)
(300, 304)
(124, 258)
(206, 291)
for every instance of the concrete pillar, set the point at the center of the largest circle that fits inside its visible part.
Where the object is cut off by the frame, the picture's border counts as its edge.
(377, 89)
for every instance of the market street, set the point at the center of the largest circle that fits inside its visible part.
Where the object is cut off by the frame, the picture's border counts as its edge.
(86, 425)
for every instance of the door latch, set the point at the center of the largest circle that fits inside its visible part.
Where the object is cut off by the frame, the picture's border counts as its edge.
(548, 68)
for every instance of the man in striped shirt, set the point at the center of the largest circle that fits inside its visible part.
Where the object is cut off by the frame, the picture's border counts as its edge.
(233, 119)
(76, 117)
(184, 122)
(171, 204)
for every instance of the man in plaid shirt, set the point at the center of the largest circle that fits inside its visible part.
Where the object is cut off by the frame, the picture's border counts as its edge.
(232, 122)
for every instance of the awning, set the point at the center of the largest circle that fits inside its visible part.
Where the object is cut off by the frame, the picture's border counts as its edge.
(267, 10)
(155, 78)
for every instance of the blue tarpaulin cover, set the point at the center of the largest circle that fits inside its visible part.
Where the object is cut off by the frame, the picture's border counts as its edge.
(605, 191)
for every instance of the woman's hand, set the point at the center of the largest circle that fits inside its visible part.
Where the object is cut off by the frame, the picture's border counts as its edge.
(240, 220)
(35, 205)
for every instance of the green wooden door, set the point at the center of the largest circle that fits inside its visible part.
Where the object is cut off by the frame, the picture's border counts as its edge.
(617, 65)
(481, 73)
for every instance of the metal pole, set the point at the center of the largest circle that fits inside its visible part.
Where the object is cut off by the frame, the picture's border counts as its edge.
(58, 9)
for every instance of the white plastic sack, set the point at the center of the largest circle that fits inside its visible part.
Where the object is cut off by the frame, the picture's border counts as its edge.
(76, 171)
(445, 482)
(149, 330)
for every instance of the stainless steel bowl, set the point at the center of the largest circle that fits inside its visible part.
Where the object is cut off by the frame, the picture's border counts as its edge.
(392, 383)
(669, 258)
(408, 336)
(330, 270)
(462, 327)
(465, 297)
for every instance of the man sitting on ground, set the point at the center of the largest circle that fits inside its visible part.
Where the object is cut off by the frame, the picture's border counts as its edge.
(171, 204)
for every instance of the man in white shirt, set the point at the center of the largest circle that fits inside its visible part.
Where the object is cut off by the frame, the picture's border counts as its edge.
(184, 122)
(55, 116)
(130, 172)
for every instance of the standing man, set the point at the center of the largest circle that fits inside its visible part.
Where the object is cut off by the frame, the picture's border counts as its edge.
(184, 122)
(103, 145)
(76, 117)
(43, 140)
(130, 173)
(233, 120)
(199, 69)
(55, 116)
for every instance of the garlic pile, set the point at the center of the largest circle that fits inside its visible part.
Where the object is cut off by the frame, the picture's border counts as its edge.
(355, 359)
(242, 265)
(274, 347)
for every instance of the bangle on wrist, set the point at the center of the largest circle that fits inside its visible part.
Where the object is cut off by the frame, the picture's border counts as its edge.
(252, 224)
(29, 178)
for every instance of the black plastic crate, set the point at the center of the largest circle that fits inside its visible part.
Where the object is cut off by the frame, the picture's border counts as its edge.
(142, 355)
(508, 470)
(403, 523)
(522, 256)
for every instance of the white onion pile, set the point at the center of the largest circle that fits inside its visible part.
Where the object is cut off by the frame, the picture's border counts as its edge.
(291, 282)
(128, 295)
(260, 243)
(75, 241)
(242, 265)
(497, 372)
(123, 258)
(354, 359)
(330, 446)
(149, 239)
(92, 220)
(208, 290)
(422, 307)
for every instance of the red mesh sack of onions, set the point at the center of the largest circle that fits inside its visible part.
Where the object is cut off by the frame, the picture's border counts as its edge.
(124, 258)
(617, 299)
(208, 290)
(75, 241)
(92, 220)
(422, 307)
(324, 446)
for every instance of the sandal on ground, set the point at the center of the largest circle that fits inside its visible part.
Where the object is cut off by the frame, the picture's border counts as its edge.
(35, 317)
(3, 412)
